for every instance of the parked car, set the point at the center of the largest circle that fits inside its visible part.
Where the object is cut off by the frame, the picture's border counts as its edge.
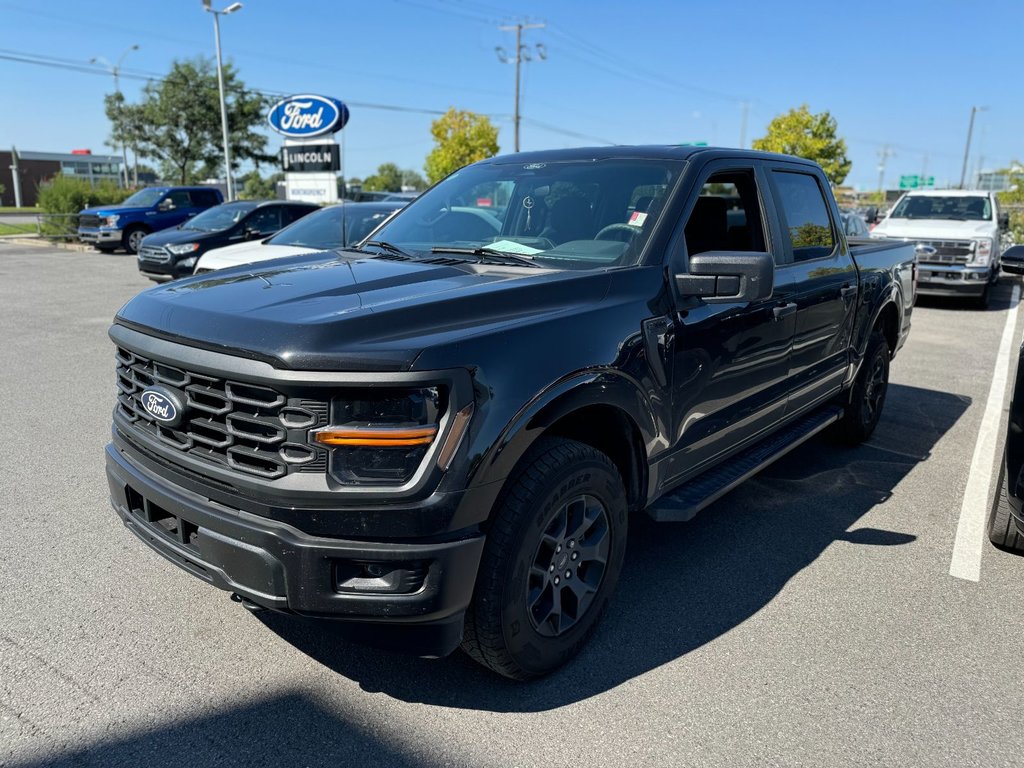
(149, 210)
(324, 230)
(1006, 517)
(1012, 260)
(174, 252)
(854, 224)
(957, 233)
(448, 428)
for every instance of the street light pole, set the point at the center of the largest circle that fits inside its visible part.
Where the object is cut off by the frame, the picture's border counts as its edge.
(115, 70)
(229, 182)
(967, 147)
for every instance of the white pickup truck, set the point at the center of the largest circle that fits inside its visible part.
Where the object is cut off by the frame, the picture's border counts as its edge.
(957, 236)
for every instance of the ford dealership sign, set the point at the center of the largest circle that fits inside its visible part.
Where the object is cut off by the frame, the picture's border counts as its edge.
(306, 115)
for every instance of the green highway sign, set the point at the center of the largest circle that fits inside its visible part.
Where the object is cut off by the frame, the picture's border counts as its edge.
(916, 182)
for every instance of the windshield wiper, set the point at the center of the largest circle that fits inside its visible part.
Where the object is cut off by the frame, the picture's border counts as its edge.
(386, 246)
(485, 253)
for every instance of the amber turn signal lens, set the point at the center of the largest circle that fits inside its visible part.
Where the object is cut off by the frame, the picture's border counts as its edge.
(377, 437)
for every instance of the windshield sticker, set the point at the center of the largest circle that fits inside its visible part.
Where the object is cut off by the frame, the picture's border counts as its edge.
(637, 219)
(510, 246)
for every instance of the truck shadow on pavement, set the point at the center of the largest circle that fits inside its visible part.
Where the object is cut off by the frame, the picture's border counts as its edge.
(683, 585)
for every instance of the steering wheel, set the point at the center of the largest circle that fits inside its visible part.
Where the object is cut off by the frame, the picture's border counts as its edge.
(616, 227)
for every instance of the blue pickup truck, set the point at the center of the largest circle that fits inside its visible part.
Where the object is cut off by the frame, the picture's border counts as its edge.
(148, 210)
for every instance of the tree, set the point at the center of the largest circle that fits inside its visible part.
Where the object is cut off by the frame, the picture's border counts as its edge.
(801, 133)
(1012, 200)
(255, 187)
(388, 178)
(178, 121)
(460, 138)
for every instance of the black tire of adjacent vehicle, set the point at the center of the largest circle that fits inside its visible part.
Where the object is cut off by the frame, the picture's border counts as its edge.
(500, 632)
(132, 237)
(867, 398)
(1002, 531)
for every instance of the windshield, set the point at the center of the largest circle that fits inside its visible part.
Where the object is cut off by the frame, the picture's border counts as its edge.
(960, 208)
(219, 218)
(583, 214)
(322, 229)
(144, 198)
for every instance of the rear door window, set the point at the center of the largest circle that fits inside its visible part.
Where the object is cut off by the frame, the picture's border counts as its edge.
(805, 215)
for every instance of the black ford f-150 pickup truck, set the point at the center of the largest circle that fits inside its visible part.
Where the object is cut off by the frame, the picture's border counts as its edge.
(448, 427)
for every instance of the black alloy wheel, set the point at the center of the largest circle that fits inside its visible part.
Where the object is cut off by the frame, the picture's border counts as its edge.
(867, 397)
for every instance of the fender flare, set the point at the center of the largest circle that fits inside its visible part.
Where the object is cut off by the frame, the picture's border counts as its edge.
(605, 387)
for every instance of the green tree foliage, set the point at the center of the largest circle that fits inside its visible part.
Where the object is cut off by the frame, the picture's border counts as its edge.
(1012, 200)
(68, 195)
(813, 136)
(388, 178)
(252, 186)
(460, 138)
(177, 122)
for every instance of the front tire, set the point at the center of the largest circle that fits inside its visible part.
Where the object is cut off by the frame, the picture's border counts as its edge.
(132, 239)
(1002, 531)
(551, 562)
(867, 398)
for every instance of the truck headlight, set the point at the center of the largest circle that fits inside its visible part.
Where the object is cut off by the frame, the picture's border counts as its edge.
(109, 221)
(982, 252)
(183, 248)
(380, 436)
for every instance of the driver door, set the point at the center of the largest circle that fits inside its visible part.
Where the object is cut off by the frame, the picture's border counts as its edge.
(731, 361)
(173, 209)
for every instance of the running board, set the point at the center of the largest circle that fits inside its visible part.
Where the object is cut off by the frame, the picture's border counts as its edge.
(691, 497)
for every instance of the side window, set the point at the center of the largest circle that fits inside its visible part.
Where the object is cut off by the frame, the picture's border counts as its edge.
(265, 220)
(806, 215)
(292, 213)
(179, 199)
(203, 198)
(726, 216)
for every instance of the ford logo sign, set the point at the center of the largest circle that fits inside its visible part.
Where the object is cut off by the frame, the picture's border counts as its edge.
(162, 405)
(307, 115)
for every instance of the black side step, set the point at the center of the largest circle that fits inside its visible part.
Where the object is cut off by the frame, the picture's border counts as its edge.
(689, 499)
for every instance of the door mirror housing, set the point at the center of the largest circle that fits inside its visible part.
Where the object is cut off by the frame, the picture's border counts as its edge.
(1012, 260)
(1004, 222)
(727, 277)
(165, 205)
(251, 233)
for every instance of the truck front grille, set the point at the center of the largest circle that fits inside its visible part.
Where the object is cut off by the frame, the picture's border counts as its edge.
(240, 426)
(154, 253)
(89, 221)
(948, 251)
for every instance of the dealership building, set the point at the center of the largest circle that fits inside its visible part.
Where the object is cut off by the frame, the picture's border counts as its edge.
(36, 168)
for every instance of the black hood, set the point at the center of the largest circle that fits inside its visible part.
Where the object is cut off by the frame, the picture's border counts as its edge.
(336, 312)
(174, 236)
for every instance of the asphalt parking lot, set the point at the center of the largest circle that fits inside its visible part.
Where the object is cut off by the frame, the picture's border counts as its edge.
(808, 618)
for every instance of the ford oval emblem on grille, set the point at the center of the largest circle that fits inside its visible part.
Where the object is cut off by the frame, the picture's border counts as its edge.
(162, 405)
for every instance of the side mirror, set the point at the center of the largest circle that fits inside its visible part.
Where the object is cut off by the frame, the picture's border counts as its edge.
(165, 205)
(726, 277)
(871, 214)
(251, 233)
(1012, 260)
(1004, 222)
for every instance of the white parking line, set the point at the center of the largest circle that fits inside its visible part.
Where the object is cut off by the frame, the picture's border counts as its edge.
(970, 531)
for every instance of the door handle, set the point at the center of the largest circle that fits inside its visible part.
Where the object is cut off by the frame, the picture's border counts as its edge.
(848, 290)
(783, 310)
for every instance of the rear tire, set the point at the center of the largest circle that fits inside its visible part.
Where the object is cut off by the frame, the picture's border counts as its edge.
(551, 562)
(1002, 531)
(867, 398)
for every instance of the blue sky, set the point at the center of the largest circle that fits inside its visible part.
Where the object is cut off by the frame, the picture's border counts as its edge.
(902, 74)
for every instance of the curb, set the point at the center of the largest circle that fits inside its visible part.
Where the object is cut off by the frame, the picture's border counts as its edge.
(40, 242)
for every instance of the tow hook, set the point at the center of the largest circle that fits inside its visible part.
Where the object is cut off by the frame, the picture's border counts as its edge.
(248, 604)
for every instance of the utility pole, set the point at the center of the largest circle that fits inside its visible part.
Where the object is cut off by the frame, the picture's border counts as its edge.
(883, 155)
(967, 147)
(745, 109)
(522, 53)
(115, 70)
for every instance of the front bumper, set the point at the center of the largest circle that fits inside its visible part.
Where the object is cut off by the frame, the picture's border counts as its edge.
(942, 280)
(98, 235)
(162, 272)
(277, 566)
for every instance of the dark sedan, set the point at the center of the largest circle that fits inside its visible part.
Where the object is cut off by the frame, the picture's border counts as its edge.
(173, 253)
